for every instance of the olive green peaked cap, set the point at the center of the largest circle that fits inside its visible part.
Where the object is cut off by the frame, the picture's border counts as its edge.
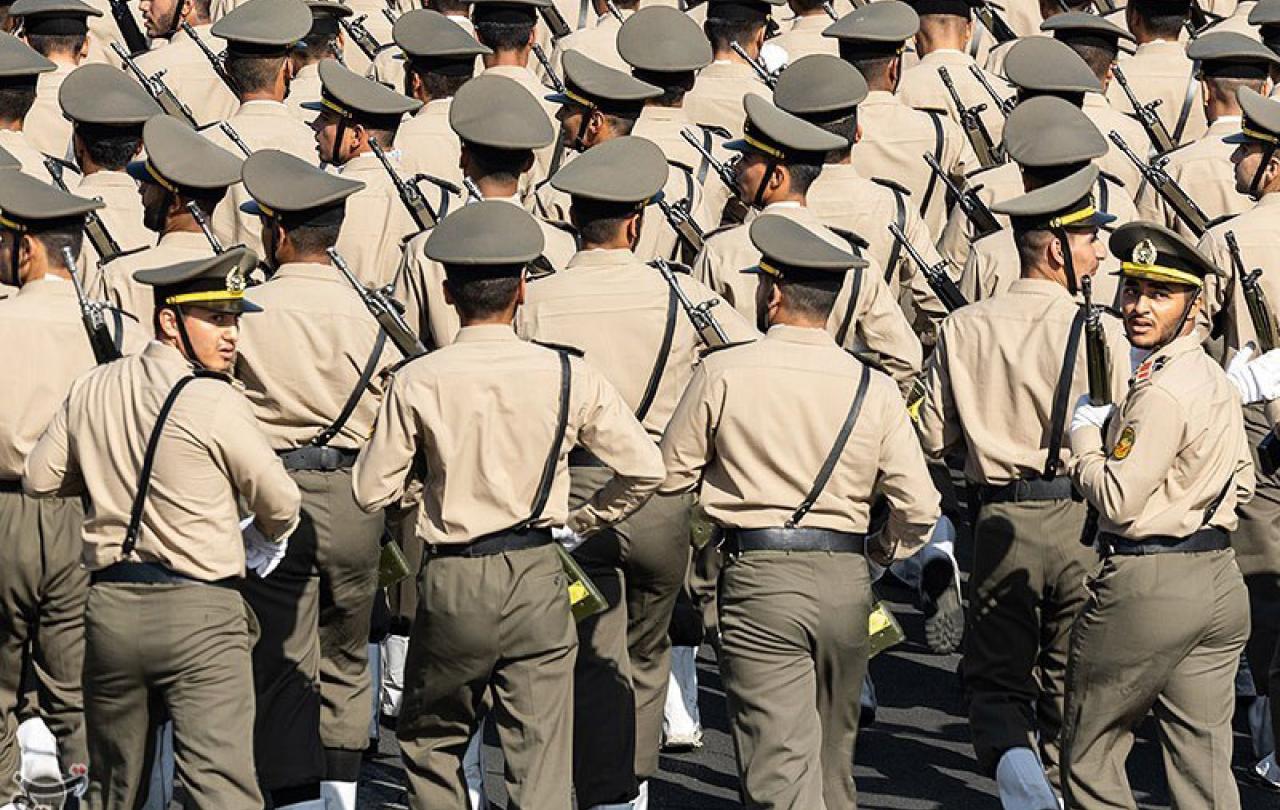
(466, 238)
(217, 282)
(500, 113)
(178, 157)
(622, 170)
(662, 39)
(287, 187)
(104, 95)
(791, 251)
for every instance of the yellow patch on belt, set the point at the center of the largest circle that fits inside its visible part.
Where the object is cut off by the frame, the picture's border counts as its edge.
(1124, 445)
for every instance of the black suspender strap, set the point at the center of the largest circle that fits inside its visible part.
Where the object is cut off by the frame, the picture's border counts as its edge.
(659, 362)
(1192, 83)
(144, 478)
(1217, 501)
(366, 374)
(553, 456)
(1057, 420)
(900, 217)
(829, 465)
(849, 311)
(936, 117)
(118, 317)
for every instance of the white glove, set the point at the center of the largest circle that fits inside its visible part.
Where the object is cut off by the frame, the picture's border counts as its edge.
(1258, 380)
(567, 537)
(774, 57)
(1086, 414)
(260, 554)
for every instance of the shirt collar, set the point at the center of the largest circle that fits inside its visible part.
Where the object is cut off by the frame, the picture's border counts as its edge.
(812, 336)
(602, 257)
(1038, 286)
(108, 179)
(47, 285)
(308, 270)
(486, 333)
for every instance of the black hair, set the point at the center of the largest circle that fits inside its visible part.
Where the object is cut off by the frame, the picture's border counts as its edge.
(253, 74)
(597, 221)
(482, 296)
(504, 36)
(16, 100)
(110, 147)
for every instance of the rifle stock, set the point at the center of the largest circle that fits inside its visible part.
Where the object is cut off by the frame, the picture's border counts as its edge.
(1173, 194)
(974, 129)
(384, 310)
(683, 225)
(935, 275)
(1097, 358)
(104, 347)
(708, 329)
(975, 210)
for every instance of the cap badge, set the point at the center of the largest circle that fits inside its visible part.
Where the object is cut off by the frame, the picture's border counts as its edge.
(235, 281)
(1144, 253)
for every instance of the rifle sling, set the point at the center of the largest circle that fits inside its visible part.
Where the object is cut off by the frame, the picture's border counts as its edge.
(553, 455)
(854, 295)
(936, 117)
(1185, 113)
(353, 399)
(660, 362)
(148, 461)
(900, 217)
(1057, 419)
(837, 448)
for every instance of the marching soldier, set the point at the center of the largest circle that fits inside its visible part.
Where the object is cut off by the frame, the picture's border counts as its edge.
(20, 69)
(717, 94)
(42, 586)
(894, 135)
(605, 291)
(600, 41)
(999, 388)
(500, 126)
(440, 58)
(805, 36)
(186, 70)
(1165, 473)
(165, 627)
(781, 157)
(315, 610)
(323, 41)
(1264, 22)
(795, 593)
(354, 116)
(107, 112)
(494, 615)
(181, 169)
(58, 31)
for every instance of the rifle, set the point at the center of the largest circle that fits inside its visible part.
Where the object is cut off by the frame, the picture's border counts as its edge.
(976, 131)
(129, 31)
(761, 71)
(423, 215)
(390, 15)
(473, 191)
(104, 347)
(830, 9)
(993, 22)
(1168, 189)
(975, 210)
(156, 88)
(722, 171)
(383, 308)
(215, 61)
(357, 33)
(103, 243)
(1097, 358)
(203, 222)
(1004, 105)
(555, 21)
(935, 274)
(704, 323)
(1146, 115)
(555, 79)
(683, 225)
(234, 137)
(614, 10)
(1264, 326)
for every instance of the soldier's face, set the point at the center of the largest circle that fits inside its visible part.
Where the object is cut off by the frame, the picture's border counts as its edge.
(158, 15)
(213, 336)
(1087, 251)
(1247, 157)
(750, 170)
(325, 127)
(1153, 310)
(571, 118)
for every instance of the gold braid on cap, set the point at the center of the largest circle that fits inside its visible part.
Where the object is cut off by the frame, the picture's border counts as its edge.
(1142, 264)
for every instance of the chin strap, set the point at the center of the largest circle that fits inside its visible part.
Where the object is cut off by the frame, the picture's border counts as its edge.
(1182, 322)
(757, 201)
(1068, 262)
(579, 143)
(341, 133)
(1262, 168)
(16, 280)
(189, 350)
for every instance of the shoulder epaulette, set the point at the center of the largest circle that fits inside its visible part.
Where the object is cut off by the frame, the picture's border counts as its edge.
(560, 347)
(720, 230)
(723, 346)
(676, 267)
(540, 267)
(716, 130)
(892, 185)
(124, 253)
(868, 358)
(209, 374)
(395, 367)
(1111, 178)
(852, 238)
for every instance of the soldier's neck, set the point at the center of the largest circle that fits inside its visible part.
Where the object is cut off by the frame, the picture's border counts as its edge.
(940, 39)
(11, 125)
(492, 189)
(507, 58)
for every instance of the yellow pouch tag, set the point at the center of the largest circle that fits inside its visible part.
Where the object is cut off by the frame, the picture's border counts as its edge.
(883, 630)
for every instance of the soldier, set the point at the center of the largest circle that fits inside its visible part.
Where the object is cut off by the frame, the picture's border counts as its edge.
(782, 155)
(58, 31)
(795, 593)
(323, 41)
(489, 570)
(1228, 62)
(186, 70)
(441, 58)
(717, 94)
(606, 291)
(1047, 11)
(181, 169)
(259, 36)
(1264, 23)
(42, 586)
(600, 41)
(1160, 69)
(355, 115)
(107, 111)
(499, 126)
(20, 68)
(805, 36)
(1029, 562)
(1165, 476)
(894, 136)
(315, 610)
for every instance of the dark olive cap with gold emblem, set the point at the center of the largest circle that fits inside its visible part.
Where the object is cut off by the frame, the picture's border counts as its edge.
(433, 43)
(621, 170)
(599, 87)
(820, 88)
(358, 99)
(499, 113)
(325, 15)
(1066, 204)
(290, 189)
(1231, 55)
(54, 17)
(1083, 28)
(1153, 252)
(1045, 65)
(875, 30)
(1047, 131)
(105, 96)
(26, 204)
(511, 12)
(264, 27)
(790, 251)
(465, 242)
(1261, 119)
(217, 282)
(19, 62)
(179, 158)
(781, 135)
(662, 39)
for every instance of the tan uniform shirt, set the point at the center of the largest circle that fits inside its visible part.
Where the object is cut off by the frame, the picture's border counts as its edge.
(921, 87)
(525, 76)
(599, 42)
(804, 37)
(1107, 118)
(46, 127)
(876, 324)
(481, 413)
(419, 281)
(663, 125)
(305, 88)
(190, 76)
(19, 144)
(376, 222)
(311, 319)
(894, 139)
(613, 307)
(122, 218)
(118, 286)
(1161, 70)
(716, 97)
(46, 349)
(992, 378)
(1205, 172)
(1173, 444)
(428, 145)
(1255, 231)
(793, 389)
(211, 453)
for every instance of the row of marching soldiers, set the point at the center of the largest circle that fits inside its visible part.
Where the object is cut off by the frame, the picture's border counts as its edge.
(510, 310)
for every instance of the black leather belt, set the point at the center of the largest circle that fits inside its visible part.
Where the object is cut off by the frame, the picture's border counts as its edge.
(321, 459)
(11, 485)
(145, 573)
(1208, 539)
(582, 457)
(495, 543)
(737, 541)
(1028, 489)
